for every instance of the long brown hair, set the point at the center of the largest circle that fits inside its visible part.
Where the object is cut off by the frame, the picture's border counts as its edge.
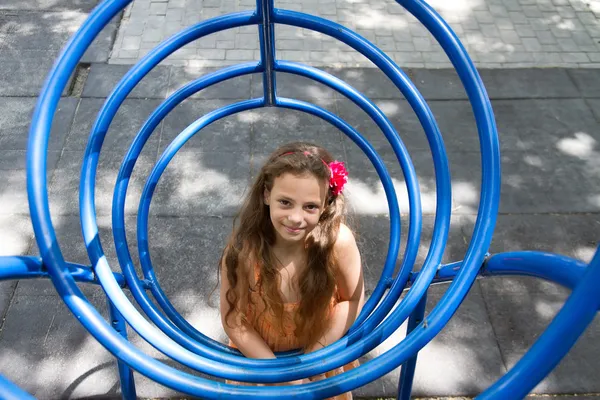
(253, 236)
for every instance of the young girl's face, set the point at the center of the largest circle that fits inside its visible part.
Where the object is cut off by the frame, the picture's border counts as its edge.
(295, 205)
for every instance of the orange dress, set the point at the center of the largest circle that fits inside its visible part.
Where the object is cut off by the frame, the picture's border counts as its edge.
(269, 329)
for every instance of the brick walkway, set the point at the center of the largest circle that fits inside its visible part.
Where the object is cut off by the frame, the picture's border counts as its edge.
(497, 33)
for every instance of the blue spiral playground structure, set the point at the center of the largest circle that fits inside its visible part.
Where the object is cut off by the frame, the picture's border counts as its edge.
(172, 335)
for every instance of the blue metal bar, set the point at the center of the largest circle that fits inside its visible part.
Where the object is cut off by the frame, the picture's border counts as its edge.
(125, 373)
(89, 317)
(30, 267)
(553, 267)
(266, 34)
(118, 217)
(10, 391)
(407, 373)
(555, 342)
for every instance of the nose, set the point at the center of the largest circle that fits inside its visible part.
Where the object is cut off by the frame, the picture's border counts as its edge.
(295, 217)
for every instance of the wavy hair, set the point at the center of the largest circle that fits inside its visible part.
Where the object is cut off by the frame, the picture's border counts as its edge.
(253, 236)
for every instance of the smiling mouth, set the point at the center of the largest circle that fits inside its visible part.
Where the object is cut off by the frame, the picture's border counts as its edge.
(292, 230)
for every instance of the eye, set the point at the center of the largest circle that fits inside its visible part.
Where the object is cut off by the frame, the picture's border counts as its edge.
(312, 207)
(284, 203)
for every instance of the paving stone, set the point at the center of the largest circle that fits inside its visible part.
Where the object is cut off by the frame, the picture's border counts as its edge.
(273, 127)
(68, 233)
(23, 72)
(188, 247)
(237, 88)
(65, 201)
(103, 78)
(543, 124)
(527, 83)
(368, 81)
(40, 331)
(203, 184)
(541, 182)
(469, 358)
(129, 119)
(583, 78)
(231, 134)
(16, 120)
(519, 316)
(399, 113)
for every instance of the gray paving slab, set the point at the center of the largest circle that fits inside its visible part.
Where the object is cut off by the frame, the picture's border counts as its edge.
(236, 88)
(16, 238)
(230, 134)
(16, 120)
(48, 353)
(541, 182)
(520, 315)
(453, 363)
(272, 127)
(20, 71)
(129, 119)
(586, 82)
(68, 233)
(103, 78)
(444, 84)
(63, 191)
(101, 48)
(550, 124)
(188, 247)
(203, 184)
(398, 112)
(595, 107)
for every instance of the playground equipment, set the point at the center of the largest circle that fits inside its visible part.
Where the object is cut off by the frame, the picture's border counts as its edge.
(176, 338)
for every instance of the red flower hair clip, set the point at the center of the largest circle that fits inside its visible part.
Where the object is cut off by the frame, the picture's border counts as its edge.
(339, 177)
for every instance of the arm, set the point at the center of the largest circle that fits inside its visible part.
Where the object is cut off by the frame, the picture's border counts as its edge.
(350, 285)
(245, 338)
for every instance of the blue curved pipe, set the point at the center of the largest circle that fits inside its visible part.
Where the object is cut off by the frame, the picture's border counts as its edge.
(29, 267)
(184, 136)
(568, 325)
(93, 322)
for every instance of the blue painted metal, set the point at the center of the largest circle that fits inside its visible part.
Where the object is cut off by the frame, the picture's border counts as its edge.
(179, 141)
(366, 333)
(266, 34)
(10, 391)
(125, 373)
(407, 373)
(30, 267)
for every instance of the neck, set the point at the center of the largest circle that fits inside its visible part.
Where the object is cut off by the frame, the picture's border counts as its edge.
(289, 248)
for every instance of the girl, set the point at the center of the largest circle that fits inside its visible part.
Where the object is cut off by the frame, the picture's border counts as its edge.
(291, 271)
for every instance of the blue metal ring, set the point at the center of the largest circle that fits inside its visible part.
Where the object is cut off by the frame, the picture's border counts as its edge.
(93, 321)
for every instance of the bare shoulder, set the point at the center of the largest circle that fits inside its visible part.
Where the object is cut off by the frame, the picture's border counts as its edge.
(346, 249)
(345, 239)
